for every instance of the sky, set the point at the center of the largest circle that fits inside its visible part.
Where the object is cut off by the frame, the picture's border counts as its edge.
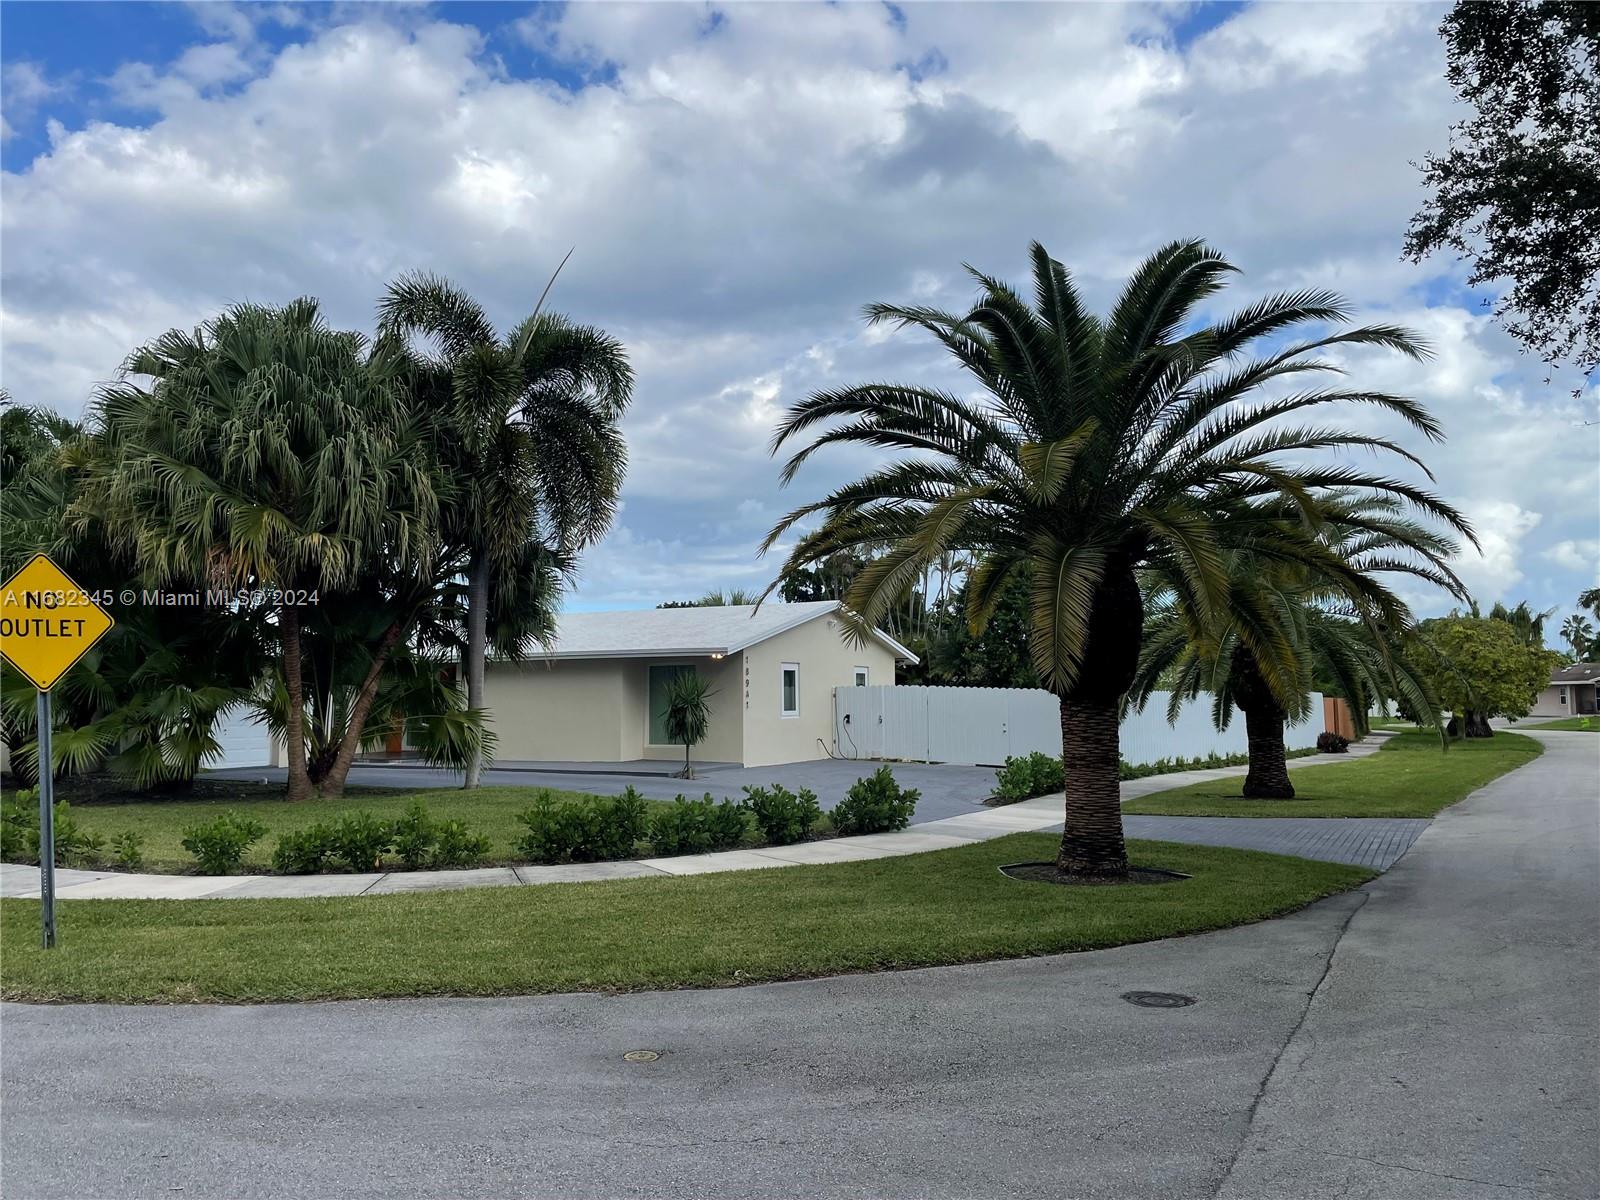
(736, 182)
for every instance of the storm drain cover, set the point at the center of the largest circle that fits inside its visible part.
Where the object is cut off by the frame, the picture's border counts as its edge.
(640, 1056)
(1158, 999)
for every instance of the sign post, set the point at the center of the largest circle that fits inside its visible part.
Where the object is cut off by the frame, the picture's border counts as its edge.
(47, 826)
(47, 623)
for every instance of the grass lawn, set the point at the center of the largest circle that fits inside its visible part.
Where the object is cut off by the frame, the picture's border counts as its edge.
(1410, 777)
(1581, 724)
(946, 906)
(489, 810)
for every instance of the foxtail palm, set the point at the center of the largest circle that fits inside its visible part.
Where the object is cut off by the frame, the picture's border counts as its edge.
(1286, 623)
(530, 421)
(1099, 446)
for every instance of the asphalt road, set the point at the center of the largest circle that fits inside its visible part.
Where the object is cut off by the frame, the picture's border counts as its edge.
(1431, 1036)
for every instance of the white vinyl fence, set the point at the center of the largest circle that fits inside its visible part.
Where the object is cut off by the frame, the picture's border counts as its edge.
(985, 726)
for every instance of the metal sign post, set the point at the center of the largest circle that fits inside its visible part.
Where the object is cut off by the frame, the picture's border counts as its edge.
(47, 826)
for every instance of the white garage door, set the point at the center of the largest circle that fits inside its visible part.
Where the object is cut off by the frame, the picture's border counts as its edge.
(242, 740)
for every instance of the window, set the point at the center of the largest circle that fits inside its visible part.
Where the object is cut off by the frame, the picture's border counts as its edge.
(789, 673)
(660, 680)
(1563, 692)
(861, 677)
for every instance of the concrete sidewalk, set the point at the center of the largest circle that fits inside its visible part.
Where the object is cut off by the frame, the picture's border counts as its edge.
(1428, 1037)
(1364, 842)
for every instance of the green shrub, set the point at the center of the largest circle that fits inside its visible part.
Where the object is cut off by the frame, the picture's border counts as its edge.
(1035, 774)
(875, 804)
(127, 850)
(697, 826)
(360, 838)
(19, 832)
(784, 817)
(19, 827)
(219, 845)
(1333, 743)
(303, 851)
(455, 845)
(595, 830)
(420, 841)
(413, 835)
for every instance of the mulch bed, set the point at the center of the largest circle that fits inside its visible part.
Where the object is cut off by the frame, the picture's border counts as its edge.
(1048, 872)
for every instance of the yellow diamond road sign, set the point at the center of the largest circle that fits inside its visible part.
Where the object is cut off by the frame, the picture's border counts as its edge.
(47, 622)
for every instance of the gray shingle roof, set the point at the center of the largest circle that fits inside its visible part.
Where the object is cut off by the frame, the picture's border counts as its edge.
(1577, 673)
(662, 632)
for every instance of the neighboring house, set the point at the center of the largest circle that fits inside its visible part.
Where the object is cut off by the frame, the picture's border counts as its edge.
(598, 692)
(1571, 692)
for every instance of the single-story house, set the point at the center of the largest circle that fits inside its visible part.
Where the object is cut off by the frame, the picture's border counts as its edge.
(1571, 692)
(598, 692)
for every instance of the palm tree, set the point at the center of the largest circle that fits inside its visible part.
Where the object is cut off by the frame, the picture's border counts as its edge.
(1578, 631)
(530, 420)
(1528, 624)
(1101, 446)
(270, 452)
(1284, 624)
(688, 715)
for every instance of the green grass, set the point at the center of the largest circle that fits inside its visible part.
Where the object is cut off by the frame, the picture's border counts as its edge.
(1410, 777)
(1582, 724)
(490, 810)
(946, 906)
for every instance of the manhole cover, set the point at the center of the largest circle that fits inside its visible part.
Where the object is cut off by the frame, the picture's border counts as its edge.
(1158, 999)
(640, 1056)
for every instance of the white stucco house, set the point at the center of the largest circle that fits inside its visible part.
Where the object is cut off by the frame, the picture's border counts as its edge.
(1571, 692)
(597, 693)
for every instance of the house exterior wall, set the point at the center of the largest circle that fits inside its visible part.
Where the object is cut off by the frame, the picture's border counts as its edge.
(725, 733)
(1578, 698)
(826, 661)
(569, 711)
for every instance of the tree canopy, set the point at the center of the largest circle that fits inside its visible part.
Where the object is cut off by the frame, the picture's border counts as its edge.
(1518, 190)
(1481, 666)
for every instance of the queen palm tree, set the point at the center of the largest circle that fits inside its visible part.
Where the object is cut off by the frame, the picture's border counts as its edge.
(270, 451)
(1286, 623)
(530, 422)
(1099, 447)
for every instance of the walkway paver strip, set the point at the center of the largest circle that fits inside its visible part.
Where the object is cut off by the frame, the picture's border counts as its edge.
(1376, 842)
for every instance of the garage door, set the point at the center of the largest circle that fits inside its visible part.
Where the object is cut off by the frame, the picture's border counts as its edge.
(241, 739)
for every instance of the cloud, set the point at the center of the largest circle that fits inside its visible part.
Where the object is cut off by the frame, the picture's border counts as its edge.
(1577, 554)
(738, 181)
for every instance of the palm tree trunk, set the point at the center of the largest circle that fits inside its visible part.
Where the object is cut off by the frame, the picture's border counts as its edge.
(1268, 776)
(1092, 843)
(333, 783)
(295, 733)
(477, 651)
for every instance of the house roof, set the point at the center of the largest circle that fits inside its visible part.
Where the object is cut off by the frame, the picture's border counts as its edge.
(680, 632)
(1577, 673)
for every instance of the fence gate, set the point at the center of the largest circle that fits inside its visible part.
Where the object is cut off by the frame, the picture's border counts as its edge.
(944, 724)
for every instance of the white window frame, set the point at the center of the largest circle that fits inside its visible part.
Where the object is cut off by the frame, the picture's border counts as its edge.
(1563, 692)
(861, 676)
(783, 670)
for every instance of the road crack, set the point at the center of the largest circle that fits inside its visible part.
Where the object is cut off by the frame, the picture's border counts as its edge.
(1277, 1059)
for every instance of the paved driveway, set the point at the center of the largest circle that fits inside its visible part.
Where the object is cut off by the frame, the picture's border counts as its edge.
(1431, 1036)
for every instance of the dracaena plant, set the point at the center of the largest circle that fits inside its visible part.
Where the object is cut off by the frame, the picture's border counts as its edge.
(1094, 447)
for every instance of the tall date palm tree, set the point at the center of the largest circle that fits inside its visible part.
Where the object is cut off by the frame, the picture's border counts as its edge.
(1286, 623)
(1100, 446)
